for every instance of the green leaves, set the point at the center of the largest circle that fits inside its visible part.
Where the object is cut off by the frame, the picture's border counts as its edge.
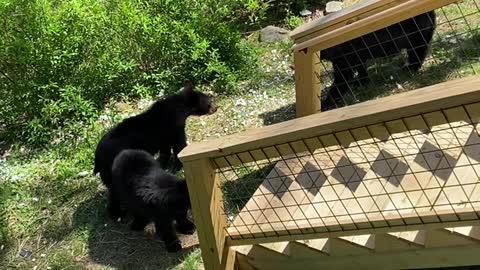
(69, 57)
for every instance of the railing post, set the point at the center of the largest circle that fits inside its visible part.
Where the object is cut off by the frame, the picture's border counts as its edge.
(206, 197)
(307, 85)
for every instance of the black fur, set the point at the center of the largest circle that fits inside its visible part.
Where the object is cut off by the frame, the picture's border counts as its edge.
(149, 193)
(414, 35)
(159, 129)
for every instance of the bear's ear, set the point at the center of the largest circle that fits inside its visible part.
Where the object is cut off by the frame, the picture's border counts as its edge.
(188, 88)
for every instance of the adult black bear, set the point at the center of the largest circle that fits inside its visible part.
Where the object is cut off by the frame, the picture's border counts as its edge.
(149, 193)
(414, 35)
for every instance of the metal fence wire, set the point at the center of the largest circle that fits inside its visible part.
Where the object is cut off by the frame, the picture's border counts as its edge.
(430, 48)
(421, 169)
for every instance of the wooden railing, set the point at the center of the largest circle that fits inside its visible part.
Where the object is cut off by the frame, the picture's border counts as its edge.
(202, 162)
(348, 24)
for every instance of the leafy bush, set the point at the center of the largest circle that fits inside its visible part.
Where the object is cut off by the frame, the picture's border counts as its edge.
(260, 12)
(293, 22)
(60, 61)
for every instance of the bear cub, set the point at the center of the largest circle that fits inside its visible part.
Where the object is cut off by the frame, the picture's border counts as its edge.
(413, 35)
(159, 129)
(141, 187)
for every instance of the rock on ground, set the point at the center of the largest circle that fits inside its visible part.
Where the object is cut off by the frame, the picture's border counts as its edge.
(333, 6)
(272, 34)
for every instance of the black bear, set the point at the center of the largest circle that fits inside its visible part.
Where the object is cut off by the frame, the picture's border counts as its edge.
(159, 129)
(142, 188)
(414, 35)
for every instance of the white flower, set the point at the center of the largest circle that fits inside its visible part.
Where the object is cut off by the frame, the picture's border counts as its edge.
(82, 174)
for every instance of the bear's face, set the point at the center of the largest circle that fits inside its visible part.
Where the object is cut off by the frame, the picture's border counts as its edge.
(203, 105)
(198, 102)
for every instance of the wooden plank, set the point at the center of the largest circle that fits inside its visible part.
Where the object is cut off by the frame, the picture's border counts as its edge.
(410, 259)
(341, 18)
(307, 85)
(307, 249)
(389, 243)
(242, 263)
(257, 252)
(342, 247)
(428, 180)
(472, 232)
(206, 196)
(432, 98)
(276, 246)
(445, 238)
(412, 237)
(319, 230)
(370, 24)
(366, 241)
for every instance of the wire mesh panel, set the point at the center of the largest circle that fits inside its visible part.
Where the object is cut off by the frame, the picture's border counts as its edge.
(416, 170)
(430, 48)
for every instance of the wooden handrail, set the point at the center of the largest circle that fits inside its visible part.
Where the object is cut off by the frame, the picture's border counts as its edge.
(341, 18)
(373, 23)
(431, 98)
(352, 22)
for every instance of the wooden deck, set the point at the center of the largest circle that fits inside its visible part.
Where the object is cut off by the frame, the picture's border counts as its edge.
(401, 167)
(426, 174)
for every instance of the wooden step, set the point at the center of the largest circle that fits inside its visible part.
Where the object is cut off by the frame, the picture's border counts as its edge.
(380, 251)
(278, 247)
(392, 243)
(365, 241)
(467, 231)
(342, 247)
(422, 258)
(308, 248)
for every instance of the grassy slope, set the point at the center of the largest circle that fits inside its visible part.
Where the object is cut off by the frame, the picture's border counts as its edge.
(52, 207)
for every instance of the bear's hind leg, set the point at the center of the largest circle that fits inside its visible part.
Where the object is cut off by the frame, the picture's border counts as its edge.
(166, 231)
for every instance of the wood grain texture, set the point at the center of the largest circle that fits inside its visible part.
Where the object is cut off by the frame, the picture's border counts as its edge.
(206, 199)
(307, 85)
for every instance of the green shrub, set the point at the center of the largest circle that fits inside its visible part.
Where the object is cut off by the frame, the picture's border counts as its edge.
(262, 12)
(293, 22)
(62, 60)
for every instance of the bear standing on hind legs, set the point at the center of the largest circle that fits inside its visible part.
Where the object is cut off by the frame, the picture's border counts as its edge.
(413, 35)
(159, 129)
(149, 193)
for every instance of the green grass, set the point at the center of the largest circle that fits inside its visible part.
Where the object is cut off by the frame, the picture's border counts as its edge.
(51, 205)
(53, 208)
(192, 261)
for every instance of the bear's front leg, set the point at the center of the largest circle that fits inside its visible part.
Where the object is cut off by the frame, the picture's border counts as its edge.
(184, 226)
(179, 143)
